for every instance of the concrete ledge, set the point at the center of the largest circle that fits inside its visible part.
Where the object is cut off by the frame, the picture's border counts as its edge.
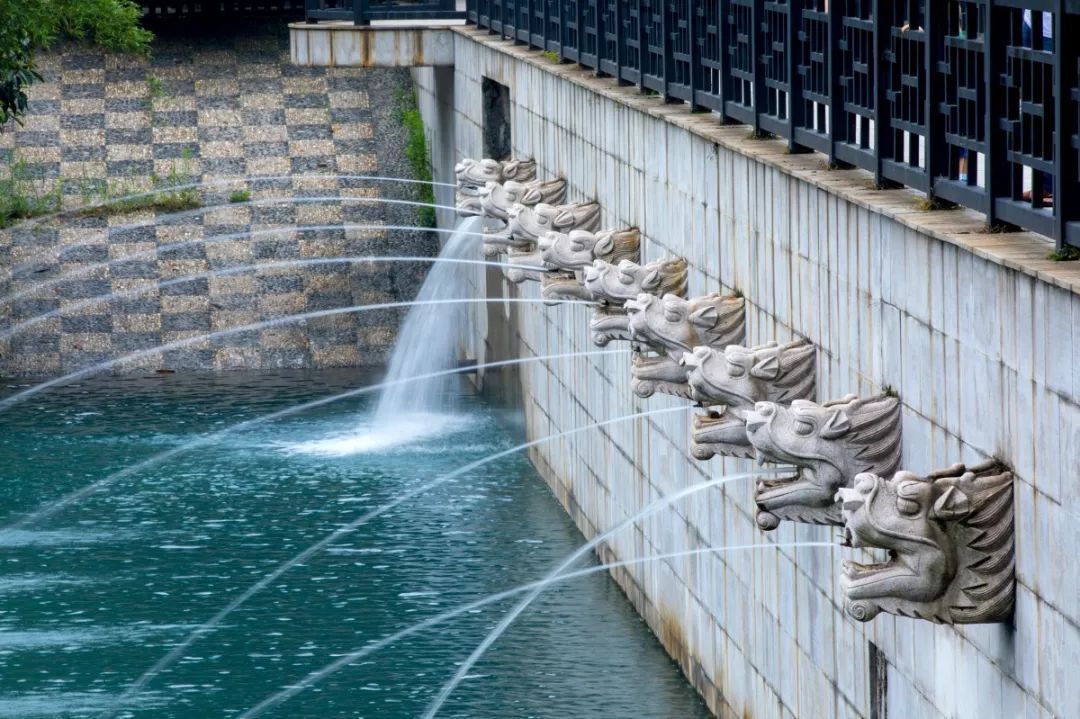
(342, 44)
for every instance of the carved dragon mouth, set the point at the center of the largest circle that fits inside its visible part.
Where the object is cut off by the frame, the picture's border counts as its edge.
(559, 286)
(782, 491)
(714, 421)
(709, 390)
(854, 571)
(649, 357)
(607, 325)
(720, 432)
(504, 238)
(470, 190)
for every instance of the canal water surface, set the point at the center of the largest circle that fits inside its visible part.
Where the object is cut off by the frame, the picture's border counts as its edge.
(97, 593)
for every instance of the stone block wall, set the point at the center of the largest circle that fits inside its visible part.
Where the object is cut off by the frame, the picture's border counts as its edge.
(980, 337)
(226, 108)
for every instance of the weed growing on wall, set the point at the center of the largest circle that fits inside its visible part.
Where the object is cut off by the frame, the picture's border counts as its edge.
(167, 199)
(416, 150)
(1067, 253)
(24, 194)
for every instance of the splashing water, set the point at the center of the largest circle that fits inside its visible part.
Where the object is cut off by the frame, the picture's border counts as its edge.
(426, 345)
(375, 435)
(428, 340)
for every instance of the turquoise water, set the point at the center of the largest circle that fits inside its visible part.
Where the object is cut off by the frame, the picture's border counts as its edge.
(93, 596)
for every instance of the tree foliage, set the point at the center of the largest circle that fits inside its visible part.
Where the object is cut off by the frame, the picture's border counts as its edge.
(27, 26)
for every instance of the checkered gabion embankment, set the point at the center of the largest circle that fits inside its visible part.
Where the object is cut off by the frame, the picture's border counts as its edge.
(102, 125)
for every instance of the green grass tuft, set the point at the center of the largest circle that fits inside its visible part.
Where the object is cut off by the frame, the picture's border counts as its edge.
(22, 195)
(931, 204)
(1067, 253)
(416, 151)
(552, 56)
(155, 86)
(240, 196)
(166, 198)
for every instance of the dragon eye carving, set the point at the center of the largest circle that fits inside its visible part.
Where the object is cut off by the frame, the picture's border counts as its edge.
(804, 427)
(907, 507)
(626, 278)
(907, 498)
(735, 369)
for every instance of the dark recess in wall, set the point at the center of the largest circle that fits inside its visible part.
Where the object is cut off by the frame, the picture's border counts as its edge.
(497, 132)
(879, 682)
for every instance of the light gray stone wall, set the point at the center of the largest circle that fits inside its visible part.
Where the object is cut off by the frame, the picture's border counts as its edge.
(985, 356)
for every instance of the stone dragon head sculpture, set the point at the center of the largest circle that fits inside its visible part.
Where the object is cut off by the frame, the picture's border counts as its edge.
(829, 443)
(950, 539)
(736, 378)
(526, 225)
(612, 285)
(495, 199)
(615, 284)
(568, 255)
(472, 175)
(670, 326)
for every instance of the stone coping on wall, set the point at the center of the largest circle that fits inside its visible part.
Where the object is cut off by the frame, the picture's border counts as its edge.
(1024, 252)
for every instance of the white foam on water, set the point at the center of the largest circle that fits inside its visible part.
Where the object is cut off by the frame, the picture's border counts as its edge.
(54, 704)
(29, 583)
(381, 436)
(25, 538)
(73, 639)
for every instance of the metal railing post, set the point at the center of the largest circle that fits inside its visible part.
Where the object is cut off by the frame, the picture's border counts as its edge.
(757, 59)
(882, 134)
(836, 86)
(997, 166)
(697, 74)
(620, 41)
(643, 40)
(796, 109)
(937, 151)
(360, 15)
(1065, 106)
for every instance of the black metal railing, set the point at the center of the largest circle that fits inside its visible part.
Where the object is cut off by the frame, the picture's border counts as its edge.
(170, 9)
(362, 12)
(973, 102)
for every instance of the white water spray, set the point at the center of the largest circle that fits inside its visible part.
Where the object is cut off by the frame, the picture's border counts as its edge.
(429, 337)
(426, 346)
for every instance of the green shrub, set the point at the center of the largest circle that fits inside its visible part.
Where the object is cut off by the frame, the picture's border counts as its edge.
(27, 26)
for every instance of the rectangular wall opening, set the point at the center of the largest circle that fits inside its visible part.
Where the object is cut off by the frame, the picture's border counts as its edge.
(497, 127)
